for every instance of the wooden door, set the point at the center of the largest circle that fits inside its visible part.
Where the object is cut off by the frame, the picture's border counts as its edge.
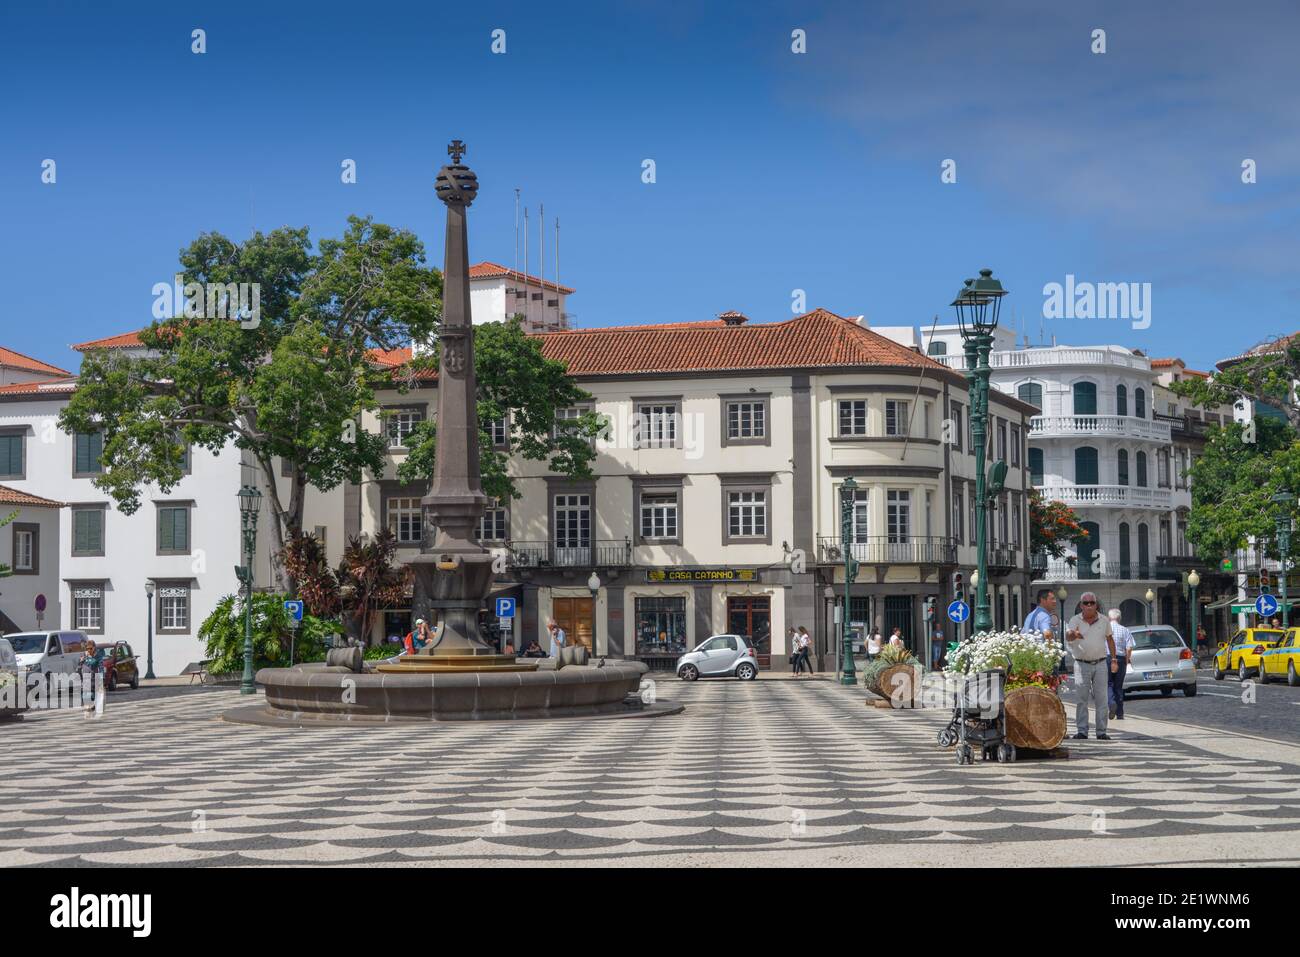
(575, 616)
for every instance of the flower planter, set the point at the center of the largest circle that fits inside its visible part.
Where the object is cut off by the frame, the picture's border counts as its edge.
(1035, 718)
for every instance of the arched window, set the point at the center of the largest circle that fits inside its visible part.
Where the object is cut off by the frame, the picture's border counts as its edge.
(1085, 398)
(1085, 465)
(1088, 549)
(1142, 470)
(1121, 400)
(1124, 555)
(1123, 466)
(1140, 403)
(1032, 393)
(938, 347)
(1035, 466)
(1144, 551)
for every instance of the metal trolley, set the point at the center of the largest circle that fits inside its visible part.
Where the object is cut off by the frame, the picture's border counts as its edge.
(979, 717)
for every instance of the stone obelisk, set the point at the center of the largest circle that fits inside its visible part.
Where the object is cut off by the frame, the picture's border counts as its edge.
(453, 573)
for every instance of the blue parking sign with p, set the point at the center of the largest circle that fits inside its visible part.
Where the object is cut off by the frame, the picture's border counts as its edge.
(505, 608)
(294, 608)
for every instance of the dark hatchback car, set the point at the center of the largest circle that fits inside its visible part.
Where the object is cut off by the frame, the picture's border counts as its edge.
(120, 666)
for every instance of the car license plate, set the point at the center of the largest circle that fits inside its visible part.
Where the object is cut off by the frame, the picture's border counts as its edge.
(1156, 675)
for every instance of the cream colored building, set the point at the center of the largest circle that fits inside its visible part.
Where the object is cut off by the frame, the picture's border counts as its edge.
(715, 504)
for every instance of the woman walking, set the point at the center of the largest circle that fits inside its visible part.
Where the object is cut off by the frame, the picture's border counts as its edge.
(90, 668)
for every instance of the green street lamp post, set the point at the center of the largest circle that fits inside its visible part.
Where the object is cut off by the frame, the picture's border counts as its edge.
(250, 501)
(1283, 500)
(848, 674)
(1193, 582)
(978, 305)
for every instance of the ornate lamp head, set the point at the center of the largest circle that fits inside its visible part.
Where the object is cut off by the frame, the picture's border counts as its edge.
(978, 304)
(456, 184)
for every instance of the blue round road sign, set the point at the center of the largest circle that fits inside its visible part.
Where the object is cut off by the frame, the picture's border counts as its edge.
(958, 611)
(1266, 605)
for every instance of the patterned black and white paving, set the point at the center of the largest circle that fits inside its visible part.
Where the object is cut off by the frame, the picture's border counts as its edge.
(765, 772)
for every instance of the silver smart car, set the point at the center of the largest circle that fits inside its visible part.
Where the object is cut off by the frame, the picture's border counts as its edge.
(1161, 661)
(719, 656)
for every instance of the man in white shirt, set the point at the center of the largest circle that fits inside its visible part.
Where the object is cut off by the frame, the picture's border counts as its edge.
(1123, 656)
(1088, 636)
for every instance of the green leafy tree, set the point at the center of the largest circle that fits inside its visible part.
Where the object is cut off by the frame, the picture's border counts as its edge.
(1267, 375)
(1053, 527)
(516, 380)
(291, 386)
(1233, 482)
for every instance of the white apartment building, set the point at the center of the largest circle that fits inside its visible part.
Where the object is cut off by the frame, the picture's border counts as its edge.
(497, 293)
(1106, 444)
(185, 542)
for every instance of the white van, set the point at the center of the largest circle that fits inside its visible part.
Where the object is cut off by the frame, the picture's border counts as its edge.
(47, 652)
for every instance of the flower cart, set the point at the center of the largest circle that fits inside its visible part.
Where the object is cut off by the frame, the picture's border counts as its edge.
(1034, 714)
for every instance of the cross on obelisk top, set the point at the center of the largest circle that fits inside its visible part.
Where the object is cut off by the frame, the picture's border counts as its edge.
(456, 149)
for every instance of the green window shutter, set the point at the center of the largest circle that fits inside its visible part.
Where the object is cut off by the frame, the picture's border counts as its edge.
(174, 529)
(88, 531)
(90, 448)
(11, 455)
(166, 530)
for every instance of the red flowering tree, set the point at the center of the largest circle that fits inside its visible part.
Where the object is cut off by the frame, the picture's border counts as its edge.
(1053, 526)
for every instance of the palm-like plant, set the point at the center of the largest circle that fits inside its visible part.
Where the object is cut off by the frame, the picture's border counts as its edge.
(368, 578)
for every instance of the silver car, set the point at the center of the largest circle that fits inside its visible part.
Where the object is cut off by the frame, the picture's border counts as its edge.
(1161, 660)
(719, 656)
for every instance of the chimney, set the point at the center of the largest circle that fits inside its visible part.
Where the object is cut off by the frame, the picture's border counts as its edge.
(733, 318)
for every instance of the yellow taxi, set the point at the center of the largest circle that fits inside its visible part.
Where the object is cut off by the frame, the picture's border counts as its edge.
(1238, 653)
(1283, 659)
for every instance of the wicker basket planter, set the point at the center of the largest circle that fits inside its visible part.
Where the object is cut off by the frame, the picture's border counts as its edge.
(1035, 718)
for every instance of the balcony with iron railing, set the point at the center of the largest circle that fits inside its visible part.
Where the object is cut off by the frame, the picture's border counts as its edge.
(888, 550)
(1059, 570)
(600, 553)
(1117, 496)
(1093, 426)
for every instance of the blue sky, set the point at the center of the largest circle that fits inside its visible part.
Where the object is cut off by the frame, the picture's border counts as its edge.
(775, 171)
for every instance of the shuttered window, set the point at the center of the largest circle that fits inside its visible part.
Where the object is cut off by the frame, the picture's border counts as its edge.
(90, 448)
(88, 531)
(173, 529)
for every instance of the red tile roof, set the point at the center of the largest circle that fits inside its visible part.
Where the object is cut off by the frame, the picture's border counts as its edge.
(11, 496)
(39, 386)
(497, 271)
(1163, 363)
(818, 339)
(16, 360)
(126, 340)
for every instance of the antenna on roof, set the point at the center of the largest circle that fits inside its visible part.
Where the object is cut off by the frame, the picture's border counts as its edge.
(541, 259)
(509, 311)
(559, 316)
(525, 272)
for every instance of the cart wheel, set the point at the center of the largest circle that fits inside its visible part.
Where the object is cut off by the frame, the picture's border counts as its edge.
(947, 738)
(1006, 753)
(965, 755)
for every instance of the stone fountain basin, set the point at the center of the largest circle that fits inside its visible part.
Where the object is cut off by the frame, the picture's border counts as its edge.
(310, 693)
